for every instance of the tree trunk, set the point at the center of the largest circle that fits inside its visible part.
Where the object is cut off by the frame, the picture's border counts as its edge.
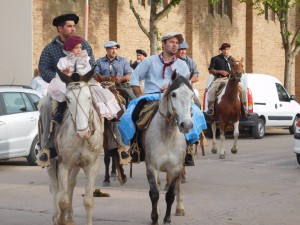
(153, 33)
(288, 68)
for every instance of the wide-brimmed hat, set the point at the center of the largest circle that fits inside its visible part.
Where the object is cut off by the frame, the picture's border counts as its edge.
(183, 45)
(65, 17)
(71, 42)
(173, 34)
(111, 44)
(141, 52)
(224, 45)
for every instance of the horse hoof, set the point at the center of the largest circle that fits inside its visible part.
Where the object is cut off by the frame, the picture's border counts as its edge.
(167, 220)
(214, 151)
(222, 156)
(179, 212)
(106, 184)
(112, 174)
(183, 180)
(233, 151)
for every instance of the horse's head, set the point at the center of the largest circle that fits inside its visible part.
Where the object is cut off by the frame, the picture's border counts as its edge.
(79, 102)
(179, 97)
(237, 69)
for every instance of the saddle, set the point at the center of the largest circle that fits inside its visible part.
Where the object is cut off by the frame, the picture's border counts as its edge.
(141, 116)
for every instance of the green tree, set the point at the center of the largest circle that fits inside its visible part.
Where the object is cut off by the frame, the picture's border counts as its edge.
(290, 39)
(155, 16)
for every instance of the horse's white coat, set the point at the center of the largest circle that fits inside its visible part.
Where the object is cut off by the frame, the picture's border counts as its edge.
(76, 152)
(165, 145)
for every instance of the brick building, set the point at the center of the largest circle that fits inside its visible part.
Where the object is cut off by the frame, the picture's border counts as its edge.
(256, 38)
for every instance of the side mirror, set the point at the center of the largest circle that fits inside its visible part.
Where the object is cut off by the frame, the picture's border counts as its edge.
(292, 97)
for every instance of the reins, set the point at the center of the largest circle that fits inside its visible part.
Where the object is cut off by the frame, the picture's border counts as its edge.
(90, 116)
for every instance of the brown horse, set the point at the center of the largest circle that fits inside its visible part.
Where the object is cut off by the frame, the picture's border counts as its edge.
(228, 108)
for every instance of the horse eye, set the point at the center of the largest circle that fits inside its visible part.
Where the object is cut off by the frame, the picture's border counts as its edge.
(173, 95)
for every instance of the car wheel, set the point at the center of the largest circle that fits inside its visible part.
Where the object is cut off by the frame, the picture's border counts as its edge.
(31, 158)
(298, 158)
(292, 128)
(258, 131)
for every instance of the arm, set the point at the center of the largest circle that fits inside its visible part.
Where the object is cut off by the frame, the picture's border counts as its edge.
(45, 66)
(136, 91)
(215, 72)
(126, 73)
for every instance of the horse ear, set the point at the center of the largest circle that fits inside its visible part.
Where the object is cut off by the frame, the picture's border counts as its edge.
(65, 78)
(174, 75)
(192, 74)
(233, 59)
(242, 60)
(86, 77)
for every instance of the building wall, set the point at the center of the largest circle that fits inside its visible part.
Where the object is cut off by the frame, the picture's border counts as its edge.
(16, 42)
(252, 37)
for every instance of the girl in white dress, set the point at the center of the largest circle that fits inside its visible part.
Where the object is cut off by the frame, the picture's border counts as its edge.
(77, 60)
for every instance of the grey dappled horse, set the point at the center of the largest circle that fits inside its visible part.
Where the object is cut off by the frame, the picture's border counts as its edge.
(165, 144)
(79, 141)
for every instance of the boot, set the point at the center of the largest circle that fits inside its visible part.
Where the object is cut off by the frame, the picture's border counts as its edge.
(59, 112)
(246, 112)
(210, 111)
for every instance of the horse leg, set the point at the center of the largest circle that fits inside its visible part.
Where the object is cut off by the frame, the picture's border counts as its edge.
(91, 172)
(71, 185)
(182, 174)
(222, 139)
(115, 155)
(235, 135)
(179, 207)
(53, 185)
(153, 193)
(214, 130)
(106, 181)
(170, 195)
(63, 199)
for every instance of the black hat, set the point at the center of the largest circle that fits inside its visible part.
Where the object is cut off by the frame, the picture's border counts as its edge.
(141, 52)
(65, 17)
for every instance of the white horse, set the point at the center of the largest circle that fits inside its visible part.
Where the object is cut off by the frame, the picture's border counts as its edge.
(79, 141)
(165, 144)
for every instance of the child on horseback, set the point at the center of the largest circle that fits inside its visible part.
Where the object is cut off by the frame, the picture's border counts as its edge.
(77, 63)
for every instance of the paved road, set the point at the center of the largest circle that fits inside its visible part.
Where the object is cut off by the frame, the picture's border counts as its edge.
(258, 186)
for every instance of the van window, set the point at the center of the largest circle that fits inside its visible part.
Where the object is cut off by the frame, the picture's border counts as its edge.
(282, 94)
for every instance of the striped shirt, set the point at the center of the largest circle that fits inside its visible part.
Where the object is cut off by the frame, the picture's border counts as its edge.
(119, 66)
(51, 55)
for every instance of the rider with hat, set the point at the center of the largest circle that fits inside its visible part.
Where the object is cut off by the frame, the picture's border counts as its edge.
(220, 66)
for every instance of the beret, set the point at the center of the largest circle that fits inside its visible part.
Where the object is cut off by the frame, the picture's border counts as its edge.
(65, 17)
(141, 52)
(173, 34)
(224, 45)
(111, 44)
(71, 42)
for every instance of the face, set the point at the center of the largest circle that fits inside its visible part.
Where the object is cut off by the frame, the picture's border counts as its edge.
(225, 51)
(67, 30)
(77, 50)
(140, 57)
(170, 46)
(181, 53)
(112, 52)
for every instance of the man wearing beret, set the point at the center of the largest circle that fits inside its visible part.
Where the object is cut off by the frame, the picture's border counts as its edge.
(156, 70)
(65, 25)
(140, 56)
(220, 66)
(115, 68)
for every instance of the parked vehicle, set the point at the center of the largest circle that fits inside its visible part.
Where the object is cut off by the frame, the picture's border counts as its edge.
(297, 141)
(18, 122)
(268, 102)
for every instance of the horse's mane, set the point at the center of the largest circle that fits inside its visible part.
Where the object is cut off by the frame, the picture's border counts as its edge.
(179, 81)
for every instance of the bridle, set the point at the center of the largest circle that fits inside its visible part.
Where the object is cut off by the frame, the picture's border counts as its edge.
(172, 117)
(71, 87)
(235, 75)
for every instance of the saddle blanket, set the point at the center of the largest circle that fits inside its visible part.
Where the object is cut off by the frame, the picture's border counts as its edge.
(127, 127)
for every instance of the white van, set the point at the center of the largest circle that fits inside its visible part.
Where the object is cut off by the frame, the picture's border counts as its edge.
(268, 102)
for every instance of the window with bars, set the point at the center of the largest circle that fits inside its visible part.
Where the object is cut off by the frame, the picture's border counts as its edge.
(223, 7)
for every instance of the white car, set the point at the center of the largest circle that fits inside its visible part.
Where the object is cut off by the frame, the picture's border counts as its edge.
(268, 102)
(18, 122)
(297, 141)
